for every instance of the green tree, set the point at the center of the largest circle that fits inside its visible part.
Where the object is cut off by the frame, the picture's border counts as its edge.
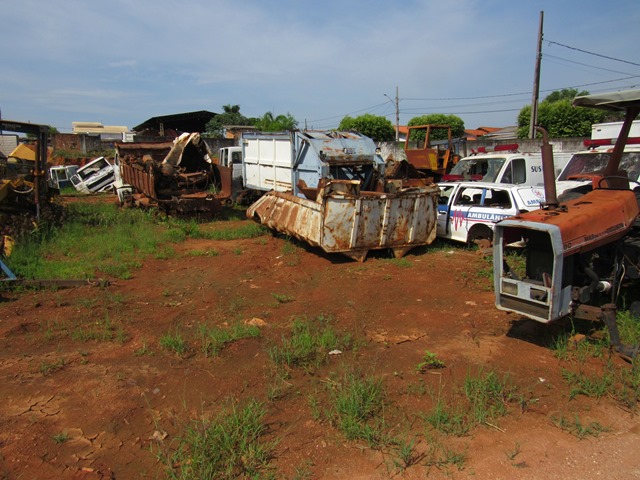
(379, 129)
(560, 118)
(271, 123)
(455, 122)
(230, 116)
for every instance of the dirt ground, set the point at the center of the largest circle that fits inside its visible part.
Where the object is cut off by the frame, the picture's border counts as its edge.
(118, 401)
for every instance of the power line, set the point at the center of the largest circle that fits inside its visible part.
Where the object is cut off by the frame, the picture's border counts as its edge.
(591, 53)
(547, 56)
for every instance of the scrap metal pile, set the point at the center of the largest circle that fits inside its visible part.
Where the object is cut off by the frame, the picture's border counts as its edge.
(329, 189)
(178, 176)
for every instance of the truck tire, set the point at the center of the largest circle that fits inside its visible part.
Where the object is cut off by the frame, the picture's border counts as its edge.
(480, 235)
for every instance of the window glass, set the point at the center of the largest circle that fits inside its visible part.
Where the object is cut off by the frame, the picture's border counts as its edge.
(445, 193)
(469, 196)
(519, 171)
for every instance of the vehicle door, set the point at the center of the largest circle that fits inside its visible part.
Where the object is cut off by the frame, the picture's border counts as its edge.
(447, 193)
(236, 161)
(466, 200)
(516, 171)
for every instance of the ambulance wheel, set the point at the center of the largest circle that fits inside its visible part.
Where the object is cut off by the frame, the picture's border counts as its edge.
(480, 235)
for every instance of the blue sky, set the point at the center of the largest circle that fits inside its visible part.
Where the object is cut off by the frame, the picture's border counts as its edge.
(121, 62)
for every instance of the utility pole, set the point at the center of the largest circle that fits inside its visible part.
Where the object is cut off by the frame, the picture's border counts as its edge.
(536, 82)
(396, 102)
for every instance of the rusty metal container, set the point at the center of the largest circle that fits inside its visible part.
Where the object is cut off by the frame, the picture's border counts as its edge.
(343, 219)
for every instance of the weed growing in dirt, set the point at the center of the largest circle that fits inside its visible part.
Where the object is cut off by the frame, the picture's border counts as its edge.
(402, 262)
(595, 386)
(566, 347)
(60, 437)
(164, 253)
(620, 382)
(283, 298)
(429, 362)
(440, 456)
(47, 368)
(578, 429)
(101, 330)
(357, 408)
(512, 454)
(143, 350)
(418, 388)
(203, 253)
(214, 340)
(488, 395)
(174, 342)
(303, 472)
(449, 419)
(405, 454)
(309, 344)
(229, 446)
(629, 327)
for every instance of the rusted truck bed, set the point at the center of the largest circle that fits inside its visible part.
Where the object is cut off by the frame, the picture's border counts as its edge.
(344, 220)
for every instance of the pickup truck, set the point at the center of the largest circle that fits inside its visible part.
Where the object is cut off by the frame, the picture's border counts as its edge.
(467, 211)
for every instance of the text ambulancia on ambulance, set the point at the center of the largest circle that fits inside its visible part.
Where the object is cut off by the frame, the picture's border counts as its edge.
(467, 211)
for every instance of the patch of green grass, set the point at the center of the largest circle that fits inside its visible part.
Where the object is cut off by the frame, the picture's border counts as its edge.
(309, 344)
(627, 390)
(402, 262)
(488, 395)
(203, 253)
(418, 388)
(47, 368)
(429, 362)
(246, 230)
(283, 298)
(100, 330)
(565, 347)
(61, 437)
(405, 454)
(95, 239)
(596, 386)
(214, 340)
(174, 342)
(357, 408)
(440, 456)
(231, 445)
(144, 350)
(517, 261)
(449, 419)
(629, 327)
(578, 429)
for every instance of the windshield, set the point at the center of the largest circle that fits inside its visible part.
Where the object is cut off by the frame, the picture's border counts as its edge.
(92, 168)
(487, 167)
(583, 163)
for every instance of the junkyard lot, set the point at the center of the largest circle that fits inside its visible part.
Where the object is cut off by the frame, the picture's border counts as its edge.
(110, 397)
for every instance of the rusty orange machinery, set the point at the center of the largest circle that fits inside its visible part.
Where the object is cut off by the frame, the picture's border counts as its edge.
(555, 240)
(426, 157)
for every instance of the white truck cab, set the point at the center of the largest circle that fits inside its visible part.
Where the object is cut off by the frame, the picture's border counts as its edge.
(232, 157)
(96, 176)
(575, 178)
(504, 165)
(467, 211)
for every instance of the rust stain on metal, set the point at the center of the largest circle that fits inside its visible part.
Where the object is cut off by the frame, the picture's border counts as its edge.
(177, 176)
(345, 220)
